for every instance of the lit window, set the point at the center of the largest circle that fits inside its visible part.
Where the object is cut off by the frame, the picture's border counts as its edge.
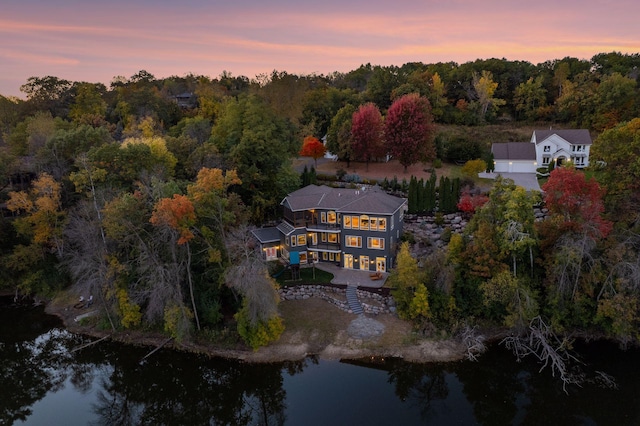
(323, 217)
(373, 223)
(355, 222)
(324, 237)
(353, 241)
(337, 257)
(375, 243)
(324, 255)
(331, 217)
(331, 257)
(302, 240)
(293, 241)
(332, 238)
(364, 222)
(382, 224)
(347, 222)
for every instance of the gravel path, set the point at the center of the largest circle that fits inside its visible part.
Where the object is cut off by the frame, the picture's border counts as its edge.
(365, 328)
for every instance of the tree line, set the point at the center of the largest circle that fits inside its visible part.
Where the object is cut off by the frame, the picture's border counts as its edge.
(140, 191)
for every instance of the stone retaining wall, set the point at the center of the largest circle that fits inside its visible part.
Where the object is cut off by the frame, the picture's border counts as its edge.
(375, 303)
(428, 234)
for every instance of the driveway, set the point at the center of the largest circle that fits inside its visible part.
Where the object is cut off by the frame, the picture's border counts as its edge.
(528, 181)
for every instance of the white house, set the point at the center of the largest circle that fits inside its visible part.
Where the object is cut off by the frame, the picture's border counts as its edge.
(545, 146)
(562, 145)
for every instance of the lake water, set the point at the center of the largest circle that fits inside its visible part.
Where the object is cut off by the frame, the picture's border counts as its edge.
(42, 382)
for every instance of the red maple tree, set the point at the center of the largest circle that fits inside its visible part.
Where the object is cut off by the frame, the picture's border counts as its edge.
(409, 130)
(312, 147)
(578, 201)
(366, 133)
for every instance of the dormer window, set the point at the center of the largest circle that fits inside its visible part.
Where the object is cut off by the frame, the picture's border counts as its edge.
(547, 148)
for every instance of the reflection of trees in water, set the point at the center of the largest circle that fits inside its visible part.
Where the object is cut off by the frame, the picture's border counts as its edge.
(30, 369)
(170, 388)
(419, 384)
(183, 389)
(495, 386)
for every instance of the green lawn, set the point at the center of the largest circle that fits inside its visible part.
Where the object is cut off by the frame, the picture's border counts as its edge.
(306, 275)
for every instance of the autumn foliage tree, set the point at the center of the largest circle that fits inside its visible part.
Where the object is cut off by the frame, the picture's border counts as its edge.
(410, 293)
(409, 130)
(470, 202)
(43, 218)
(178, 214)
(312, 147)
(577, 200)
(367, 133)
(41, 222)
(569, 244)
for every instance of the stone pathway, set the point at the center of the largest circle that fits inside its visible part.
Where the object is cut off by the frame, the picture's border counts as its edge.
(352, 300)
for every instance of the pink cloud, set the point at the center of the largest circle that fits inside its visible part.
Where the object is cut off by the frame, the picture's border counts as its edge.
(99, 40)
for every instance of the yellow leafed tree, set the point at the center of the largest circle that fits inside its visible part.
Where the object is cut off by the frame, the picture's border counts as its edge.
(42, 217)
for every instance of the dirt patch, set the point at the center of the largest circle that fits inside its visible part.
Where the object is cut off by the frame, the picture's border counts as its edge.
(389, 169)
(312, 326)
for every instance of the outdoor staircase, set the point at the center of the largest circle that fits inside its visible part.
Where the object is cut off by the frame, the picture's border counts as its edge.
(352, 300)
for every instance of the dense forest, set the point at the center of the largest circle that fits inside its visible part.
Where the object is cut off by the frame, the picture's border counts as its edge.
(141, 193)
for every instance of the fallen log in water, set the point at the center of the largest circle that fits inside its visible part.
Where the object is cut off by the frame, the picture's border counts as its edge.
(155, 350)
(89, 344)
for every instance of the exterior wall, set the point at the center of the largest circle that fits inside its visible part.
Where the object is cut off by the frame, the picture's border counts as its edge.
(377, 258)
(298, 242)
(270, 251)
(558, 147)
(310, 223)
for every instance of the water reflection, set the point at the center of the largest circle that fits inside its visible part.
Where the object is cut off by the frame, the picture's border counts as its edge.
(43, 382)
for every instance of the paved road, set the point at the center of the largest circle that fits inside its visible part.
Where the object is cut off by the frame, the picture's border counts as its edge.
(528, 181)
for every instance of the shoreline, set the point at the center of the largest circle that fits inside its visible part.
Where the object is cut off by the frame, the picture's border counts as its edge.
(292, 345)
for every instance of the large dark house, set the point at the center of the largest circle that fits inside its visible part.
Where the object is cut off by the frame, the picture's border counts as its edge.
(353, 228)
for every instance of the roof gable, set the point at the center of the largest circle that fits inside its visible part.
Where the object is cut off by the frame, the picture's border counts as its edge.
(572, 136)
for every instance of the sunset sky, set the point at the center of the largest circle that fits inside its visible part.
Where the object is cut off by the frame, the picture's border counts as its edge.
(86, 40)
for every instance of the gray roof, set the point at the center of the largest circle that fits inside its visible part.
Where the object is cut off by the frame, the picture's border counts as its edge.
(285, 228)
(514, 151)
(573, 136)
(344, 200)
(267, 235)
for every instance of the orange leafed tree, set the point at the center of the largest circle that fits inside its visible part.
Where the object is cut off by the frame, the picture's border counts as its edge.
(178, 213)
(312, 147)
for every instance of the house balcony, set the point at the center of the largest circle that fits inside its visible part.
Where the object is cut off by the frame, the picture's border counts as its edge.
(323, 227)
(329, 247)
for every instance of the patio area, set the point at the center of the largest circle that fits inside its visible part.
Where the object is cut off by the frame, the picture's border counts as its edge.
(352, 277)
